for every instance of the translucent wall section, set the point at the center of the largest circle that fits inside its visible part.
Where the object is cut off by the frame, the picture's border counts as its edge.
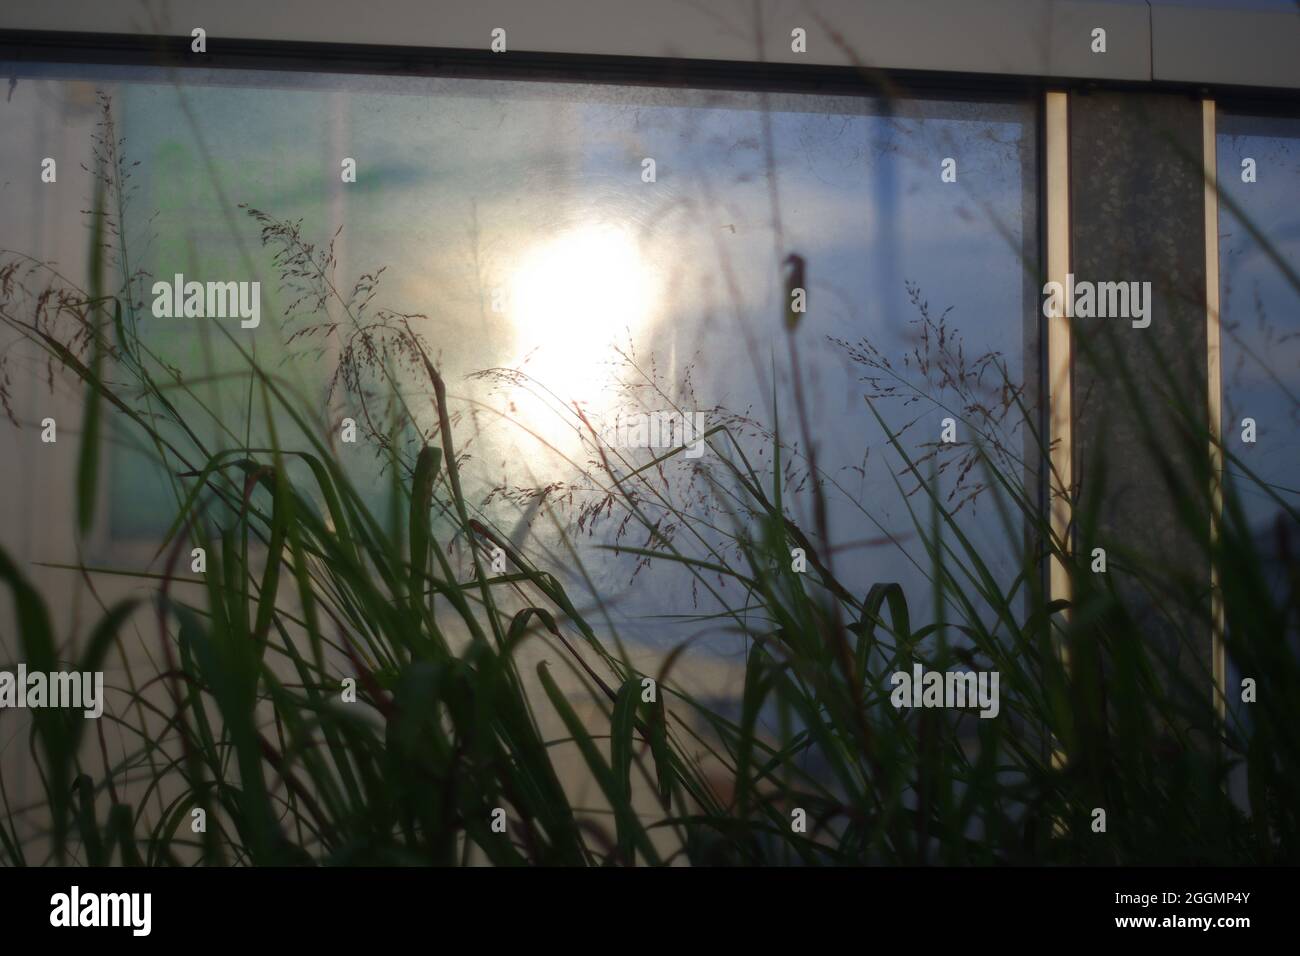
(1259, 248)
(591, 267)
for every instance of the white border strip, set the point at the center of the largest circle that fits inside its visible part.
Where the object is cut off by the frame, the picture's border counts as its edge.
(1059, 433)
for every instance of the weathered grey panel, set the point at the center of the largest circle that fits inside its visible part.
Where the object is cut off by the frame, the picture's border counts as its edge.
(1252, 42)
(1020, 37)
(1137, 197)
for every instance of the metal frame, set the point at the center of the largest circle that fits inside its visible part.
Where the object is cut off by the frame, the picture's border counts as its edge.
(1214, 395)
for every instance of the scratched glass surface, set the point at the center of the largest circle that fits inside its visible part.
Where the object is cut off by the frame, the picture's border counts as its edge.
(548, 275)
(1259, 249)
(1259, 259)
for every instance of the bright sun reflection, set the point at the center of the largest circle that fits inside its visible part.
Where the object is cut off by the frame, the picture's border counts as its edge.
(572, 299)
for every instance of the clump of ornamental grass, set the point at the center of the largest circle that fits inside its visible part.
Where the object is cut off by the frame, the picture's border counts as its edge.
(442, 757)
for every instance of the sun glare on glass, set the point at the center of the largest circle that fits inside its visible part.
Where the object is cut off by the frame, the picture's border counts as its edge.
(574, 298)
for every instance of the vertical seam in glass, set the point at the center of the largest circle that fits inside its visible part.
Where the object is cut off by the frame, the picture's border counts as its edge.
(1214, 408)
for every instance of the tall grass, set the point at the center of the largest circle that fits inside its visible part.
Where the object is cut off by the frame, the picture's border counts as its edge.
(309, 583)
